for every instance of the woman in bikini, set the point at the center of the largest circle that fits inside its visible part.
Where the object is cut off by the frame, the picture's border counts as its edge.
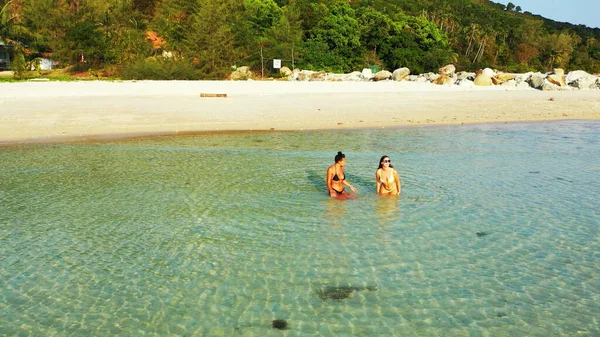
(388, 181)
(336, 179)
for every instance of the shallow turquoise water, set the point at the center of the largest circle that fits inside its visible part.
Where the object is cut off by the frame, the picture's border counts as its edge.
(496, 234)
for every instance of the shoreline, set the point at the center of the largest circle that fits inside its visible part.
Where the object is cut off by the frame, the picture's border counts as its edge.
(105, 138)
(56, 112)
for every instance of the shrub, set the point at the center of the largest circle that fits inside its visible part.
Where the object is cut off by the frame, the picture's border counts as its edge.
(160, 69)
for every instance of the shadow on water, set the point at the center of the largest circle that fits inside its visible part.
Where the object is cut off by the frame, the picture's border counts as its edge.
(316, 180)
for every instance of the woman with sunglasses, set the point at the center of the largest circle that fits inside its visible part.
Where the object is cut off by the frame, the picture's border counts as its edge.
(336, 179)
(388, 180)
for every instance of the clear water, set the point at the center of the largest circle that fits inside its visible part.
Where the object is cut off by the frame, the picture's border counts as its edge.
(496, 234)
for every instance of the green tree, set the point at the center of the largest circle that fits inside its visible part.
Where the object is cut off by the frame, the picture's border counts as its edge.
(209, 39)
(340, 33)
(285, 37)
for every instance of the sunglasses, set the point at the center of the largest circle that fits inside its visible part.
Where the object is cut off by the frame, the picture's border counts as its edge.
(387, 161)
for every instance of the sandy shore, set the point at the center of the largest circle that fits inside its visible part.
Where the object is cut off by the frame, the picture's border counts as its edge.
(63, 111)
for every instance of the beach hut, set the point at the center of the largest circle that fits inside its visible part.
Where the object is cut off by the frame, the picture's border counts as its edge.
(4, 56)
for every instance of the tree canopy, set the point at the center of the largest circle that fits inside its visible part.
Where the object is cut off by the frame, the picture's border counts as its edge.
(207, 37)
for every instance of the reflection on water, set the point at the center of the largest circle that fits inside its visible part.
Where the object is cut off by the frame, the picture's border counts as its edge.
(336, 211)
(220, 235)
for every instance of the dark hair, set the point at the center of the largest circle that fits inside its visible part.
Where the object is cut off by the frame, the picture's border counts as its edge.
(381, 159)
(339, 156)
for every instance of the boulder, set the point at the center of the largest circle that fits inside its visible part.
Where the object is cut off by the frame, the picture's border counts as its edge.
(317, 76)
(557, 77)
(482, 78)
(241, 74)
(521, 78)
(285, 71)
(502, 78)
(382, 75)
(400, 74)
(443, 79)
(335, 77)
(355, 76)
(417, 78)
(581, 80)
(367, 74)
(536, 80)
(294, 75)
(463, 75)
(549, 86)
(431, 77)
(489, 72)
(304, 75)
(448, 69)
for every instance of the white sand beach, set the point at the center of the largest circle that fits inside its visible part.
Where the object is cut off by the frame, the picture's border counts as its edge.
(64, 111)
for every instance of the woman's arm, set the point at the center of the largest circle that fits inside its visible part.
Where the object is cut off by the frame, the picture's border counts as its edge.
(350, 186)
(328, 180)
(377, 182)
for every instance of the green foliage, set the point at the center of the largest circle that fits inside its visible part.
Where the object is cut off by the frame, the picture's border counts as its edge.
(336, 40)
(160, 69)
(207, 37)
(18, 64)
(85, 39)
(285, 37)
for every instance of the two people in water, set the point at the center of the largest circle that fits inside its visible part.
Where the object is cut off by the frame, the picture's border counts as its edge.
(386, 177)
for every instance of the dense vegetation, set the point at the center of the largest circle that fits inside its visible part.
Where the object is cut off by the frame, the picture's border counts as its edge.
(205, 38)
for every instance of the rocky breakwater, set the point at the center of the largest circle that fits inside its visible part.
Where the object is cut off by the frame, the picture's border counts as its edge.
(448, 76)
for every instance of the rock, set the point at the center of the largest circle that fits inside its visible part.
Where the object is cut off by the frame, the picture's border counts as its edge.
(502, 78)
(463, 75)
(549, 86)
(294, 75)
(382, 75)
(400, 74)
(431, 77)
(285, 71)
(489, 72)
(443, 79)
(355, 76)
(279, 324)
(482, 78)
(367, 74)
(510, 83)
(447, 70)
(554, 79)
(537, 80)
(557, 77)
(520, 78)
(417, 78)
(304, 75)
(317, 76)
(241, 74)
(581, 80)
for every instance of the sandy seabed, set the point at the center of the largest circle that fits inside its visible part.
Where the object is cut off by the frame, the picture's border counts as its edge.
(64, 111)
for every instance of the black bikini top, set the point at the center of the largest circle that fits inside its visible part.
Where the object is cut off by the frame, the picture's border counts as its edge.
(335, 177)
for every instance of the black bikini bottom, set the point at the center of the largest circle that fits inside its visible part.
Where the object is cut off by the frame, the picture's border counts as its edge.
(338, 192)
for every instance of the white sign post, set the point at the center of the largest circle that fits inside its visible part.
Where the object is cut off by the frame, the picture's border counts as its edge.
(276, 64)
